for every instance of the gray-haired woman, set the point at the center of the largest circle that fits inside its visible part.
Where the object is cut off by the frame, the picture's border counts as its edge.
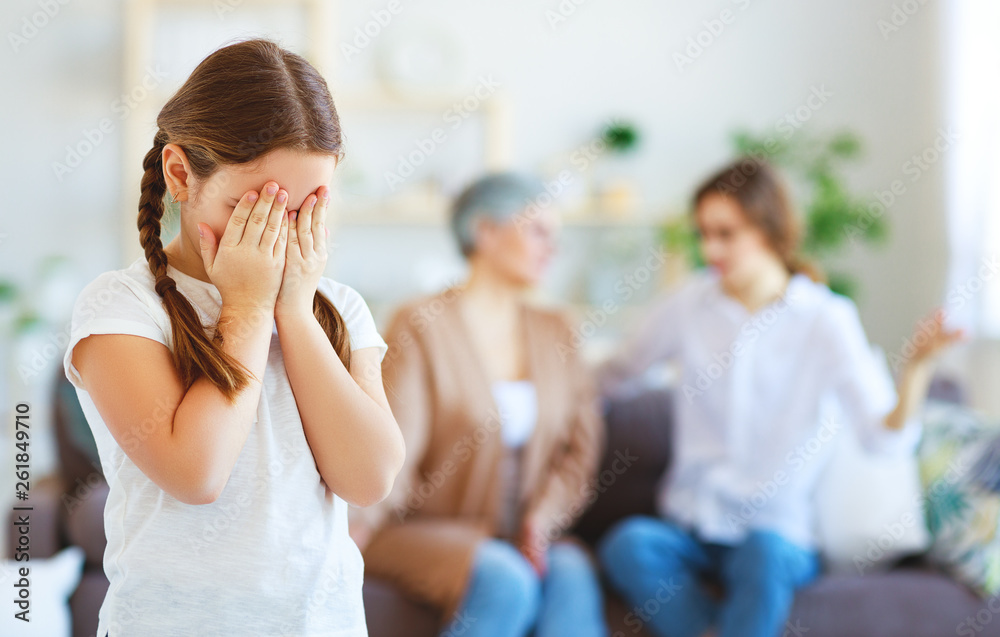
(503, 434)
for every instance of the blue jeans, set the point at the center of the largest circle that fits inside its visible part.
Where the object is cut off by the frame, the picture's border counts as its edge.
(506, 597)
(656, 566)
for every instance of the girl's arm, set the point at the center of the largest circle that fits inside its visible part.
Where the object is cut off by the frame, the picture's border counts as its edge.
(346, 417)
(185, 442)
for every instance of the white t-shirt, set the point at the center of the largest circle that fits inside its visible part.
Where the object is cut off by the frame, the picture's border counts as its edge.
(271, 556)
(760, 399)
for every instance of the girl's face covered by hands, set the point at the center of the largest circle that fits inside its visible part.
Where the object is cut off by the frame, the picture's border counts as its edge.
(298, 174)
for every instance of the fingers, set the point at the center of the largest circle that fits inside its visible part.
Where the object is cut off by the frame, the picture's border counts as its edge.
(208, 245)
(275, 219)
(308, 228)
(260, 214)
(294, 238)
(319, 219)
(238, 221)
(280, 244)
(304, 224)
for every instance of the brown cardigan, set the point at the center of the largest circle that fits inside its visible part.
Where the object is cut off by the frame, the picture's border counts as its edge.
(445, 499)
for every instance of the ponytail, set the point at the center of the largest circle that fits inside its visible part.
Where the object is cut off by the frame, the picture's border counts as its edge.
(798, 264)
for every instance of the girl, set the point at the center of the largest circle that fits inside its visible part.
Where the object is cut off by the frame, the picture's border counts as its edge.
(235, 392)
(503, 436)
(765, 349)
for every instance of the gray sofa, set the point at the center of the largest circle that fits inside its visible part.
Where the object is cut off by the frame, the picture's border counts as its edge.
(912, 600)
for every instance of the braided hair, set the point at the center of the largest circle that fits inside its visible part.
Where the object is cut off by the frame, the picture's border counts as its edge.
(287, 105)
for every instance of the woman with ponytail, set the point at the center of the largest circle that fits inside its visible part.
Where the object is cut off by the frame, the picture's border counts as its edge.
(235, 392)
(765, 348)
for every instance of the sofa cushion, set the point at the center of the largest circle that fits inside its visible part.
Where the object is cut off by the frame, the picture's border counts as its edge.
(85, 520)
(390, 614)
(960, 468)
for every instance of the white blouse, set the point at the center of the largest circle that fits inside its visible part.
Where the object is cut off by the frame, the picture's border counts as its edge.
(518, 406)
(759, 400)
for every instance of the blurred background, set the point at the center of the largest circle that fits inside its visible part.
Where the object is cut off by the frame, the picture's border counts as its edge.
(879, 112)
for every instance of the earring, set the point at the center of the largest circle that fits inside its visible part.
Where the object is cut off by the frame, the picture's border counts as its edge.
(173, 198)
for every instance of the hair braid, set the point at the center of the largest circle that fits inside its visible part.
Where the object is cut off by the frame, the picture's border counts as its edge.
(194, 354)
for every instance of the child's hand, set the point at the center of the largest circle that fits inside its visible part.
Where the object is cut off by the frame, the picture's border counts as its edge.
(305, 258)
(246, 264)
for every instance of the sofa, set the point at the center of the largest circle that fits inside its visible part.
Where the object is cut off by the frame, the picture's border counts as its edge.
(912, 599)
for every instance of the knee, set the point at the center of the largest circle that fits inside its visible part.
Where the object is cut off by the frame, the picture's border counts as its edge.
(571, 559)
(509, 580)
(767, 558)
(620, 543)
(630, 543)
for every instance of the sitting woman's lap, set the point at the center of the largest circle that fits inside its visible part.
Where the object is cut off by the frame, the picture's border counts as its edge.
(507, 597)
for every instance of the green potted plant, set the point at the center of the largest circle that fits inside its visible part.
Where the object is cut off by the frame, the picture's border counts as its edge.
(617, 191)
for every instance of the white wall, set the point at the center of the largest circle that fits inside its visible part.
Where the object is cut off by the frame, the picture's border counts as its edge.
(606, 59)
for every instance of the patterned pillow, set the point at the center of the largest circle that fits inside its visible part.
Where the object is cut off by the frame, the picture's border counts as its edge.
(960, 472)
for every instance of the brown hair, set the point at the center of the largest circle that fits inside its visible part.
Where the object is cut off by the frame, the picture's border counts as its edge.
(753, 184)
(241, 102)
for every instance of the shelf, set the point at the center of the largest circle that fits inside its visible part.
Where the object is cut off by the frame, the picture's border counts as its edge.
(383, 218)
(430, 222)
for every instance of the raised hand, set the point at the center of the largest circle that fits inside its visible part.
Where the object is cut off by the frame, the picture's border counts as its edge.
(930, 337)
(247, 263)
(306, 256)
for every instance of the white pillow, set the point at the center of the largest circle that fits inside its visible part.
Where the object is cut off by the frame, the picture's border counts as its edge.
(869, 508)
(52, 582)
